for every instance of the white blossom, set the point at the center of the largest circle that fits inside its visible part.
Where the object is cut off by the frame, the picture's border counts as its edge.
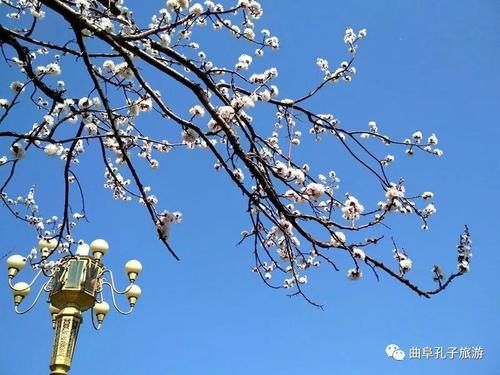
(53, 69)
(265, 95)
(238, 174)
(463, 266)
(165, 40)
(249, 33)
(387, 160)
(438, 152)
(405, 264)
(358, 253)
(244, 62)
(189, 136)
(196, 9)
(372, 125)
(427, 195)
(145, 105)
(337, 239)
(177, 5)
(354, 274)
(4, 103)
(394, 191)
(51, 149)
(417, 136)
(429, 210)
(40, 14)
(432, 139)
(84, 103)
(106, 24)
(197, 110)
(315, 190)
(16, 86)
(352, 209)
(17, 151)
(272, 42)
(322, 64)
(108, 66)
(122, 70)
(226, 112)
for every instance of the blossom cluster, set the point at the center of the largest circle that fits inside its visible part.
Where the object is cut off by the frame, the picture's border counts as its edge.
(301, 217)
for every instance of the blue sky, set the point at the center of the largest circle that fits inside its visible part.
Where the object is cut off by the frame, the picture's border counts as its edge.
(429, 66)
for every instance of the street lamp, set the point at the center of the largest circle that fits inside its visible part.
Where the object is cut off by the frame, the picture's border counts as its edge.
(74, 284)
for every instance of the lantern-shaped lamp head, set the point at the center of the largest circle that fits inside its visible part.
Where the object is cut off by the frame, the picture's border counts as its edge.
(15, 263)
(46, 247)
(20, 290)
(133, 293)
(53, 312)
(133, 268)
(99, 248)
(100, 311)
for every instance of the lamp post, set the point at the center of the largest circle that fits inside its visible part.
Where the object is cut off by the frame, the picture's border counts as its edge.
(74, 284)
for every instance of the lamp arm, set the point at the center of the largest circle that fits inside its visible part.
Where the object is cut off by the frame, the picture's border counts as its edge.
(20, 312)
(46, 286)
(51, 272)
(30, 284)
(46, 271)
(114, 300)
(31, 261)
(99, 325)
(112, 285)
(99, 298)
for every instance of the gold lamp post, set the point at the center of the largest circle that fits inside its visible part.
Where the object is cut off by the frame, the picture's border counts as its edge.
(74, 284)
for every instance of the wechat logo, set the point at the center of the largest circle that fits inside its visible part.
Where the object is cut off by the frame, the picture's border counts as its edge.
(393, 351)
